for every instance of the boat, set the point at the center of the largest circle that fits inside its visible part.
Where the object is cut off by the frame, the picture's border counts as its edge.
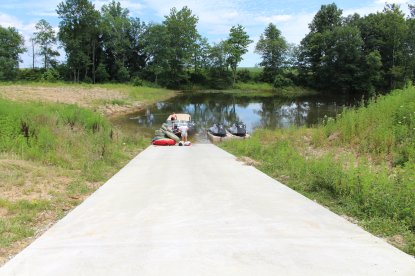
(218, 129)
(237, 129)
(218, 133)
(181, 119)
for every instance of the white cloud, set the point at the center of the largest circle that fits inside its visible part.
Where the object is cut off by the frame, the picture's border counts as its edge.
(10, 21)
(382, 2)
(274, 18)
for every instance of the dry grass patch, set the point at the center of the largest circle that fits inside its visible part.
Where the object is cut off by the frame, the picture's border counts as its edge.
(33, 197)
(82, 96)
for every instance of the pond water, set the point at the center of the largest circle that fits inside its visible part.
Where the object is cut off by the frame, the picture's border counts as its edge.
(206, 108)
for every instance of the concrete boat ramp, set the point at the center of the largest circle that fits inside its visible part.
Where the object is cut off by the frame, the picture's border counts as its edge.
(197, 211)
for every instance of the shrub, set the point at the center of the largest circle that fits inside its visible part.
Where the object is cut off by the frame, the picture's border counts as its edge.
(244, 75)
(136, 81)
(219, 79)
(30, 74)
(122, 74)
(101, 74)
(51, 75)
(281, 81)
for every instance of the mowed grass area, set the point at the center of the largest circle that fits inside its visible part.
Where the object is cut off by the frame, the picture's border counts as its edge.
(108, 99)
(56, 148)
(361, 164)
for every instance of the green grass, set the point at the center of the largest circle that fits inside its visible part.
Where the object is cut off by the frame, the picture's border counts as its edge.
(264, 88)
(81, 143)
(21, 215)
(361, 164)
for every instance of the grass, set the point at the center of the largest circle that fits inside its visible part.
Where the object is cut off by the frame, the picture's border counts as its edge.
(360, 164)
(52, 156)
(19, 222)
(106, 98)
(144, 94)
(267, 88)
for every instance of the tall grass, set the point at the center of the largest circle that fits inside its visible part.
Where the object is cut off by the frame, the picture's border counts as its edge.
(386, 127)
(361, 164)
(63, 135)
(65, 138)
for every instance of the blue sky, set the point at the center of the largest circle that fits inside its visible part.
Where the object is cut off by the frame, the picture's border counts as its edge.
(216, 17)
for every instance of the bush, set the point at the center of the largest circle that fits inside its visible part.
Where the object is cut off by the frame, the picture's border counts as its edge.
(51, 75)
(101, 74)
(198, 78)
(281, 81)
(136, 81)
(219, 79)
(122, 74)
(244, 75)
(31, 74)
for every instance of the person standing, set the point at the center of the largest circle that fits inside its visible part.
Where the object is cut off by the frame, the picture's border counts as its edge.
(183, 132)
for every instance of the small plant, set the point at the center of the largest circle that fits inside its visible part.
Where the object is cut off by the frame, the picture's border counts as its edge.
(51, 75)
(136, 81)
(282, 81)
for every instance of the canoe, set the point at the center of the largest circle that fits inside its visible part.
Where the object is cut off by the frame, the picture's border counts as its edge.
(164, 142)
(171, 135)
(159, 132)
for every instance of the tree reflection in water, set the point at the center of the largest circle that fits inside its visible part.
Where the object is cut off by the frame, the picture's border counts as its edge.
(271, 112)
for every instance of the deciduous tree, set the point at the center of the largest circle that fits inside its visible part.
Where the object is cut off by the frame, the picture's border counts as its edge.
(45, 37)
(11, 45)
(236, 46)
(182, 41)
(79, 33)
(272, 48)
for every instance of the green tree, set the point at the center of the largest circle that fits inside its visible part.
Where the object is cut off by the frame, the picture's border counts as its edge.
(155, 40)
(115, 27)
(326, 19)
(272, 47)
(313, 46)
(410, 45)
(182, 41)
(332, 53)
(136, 55)
(385, 32)
(201, 54)
(218, 73)
(237, 46)
(45, 37)
(11, 45)
(218, 55)
(79, 34)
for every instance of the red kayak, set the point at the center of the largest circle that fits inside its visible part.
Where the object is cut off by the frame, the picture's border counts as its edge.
(164, 142)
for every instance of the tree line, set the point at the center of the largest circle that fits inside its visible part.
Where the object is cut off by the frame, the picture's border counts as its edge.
(353, 54)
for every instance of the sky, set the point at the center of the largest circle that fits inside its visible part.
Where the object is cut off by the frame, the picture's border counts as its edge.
(216, 17)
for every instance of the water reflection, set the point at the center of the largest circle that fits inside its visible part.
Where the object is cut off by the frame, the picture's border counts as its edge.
(255, 112)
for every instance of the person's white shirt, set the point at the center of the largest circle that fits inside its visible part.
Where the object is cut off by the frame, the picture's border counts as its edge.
(183, 129)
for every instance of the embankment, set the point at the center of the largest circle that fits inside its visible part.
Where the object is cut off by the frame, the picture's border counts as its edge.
(360, 164)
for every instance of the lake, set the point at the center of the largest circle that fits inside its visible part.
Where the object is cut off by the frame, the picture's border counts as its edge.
(263, 111)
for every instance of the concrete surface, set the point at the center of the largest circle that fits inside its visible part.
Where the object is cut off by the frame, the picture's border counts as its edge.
(197, 211)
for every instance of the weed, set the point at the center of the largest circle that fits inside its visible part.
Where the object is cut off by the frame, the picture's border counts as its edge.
(366, 169)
